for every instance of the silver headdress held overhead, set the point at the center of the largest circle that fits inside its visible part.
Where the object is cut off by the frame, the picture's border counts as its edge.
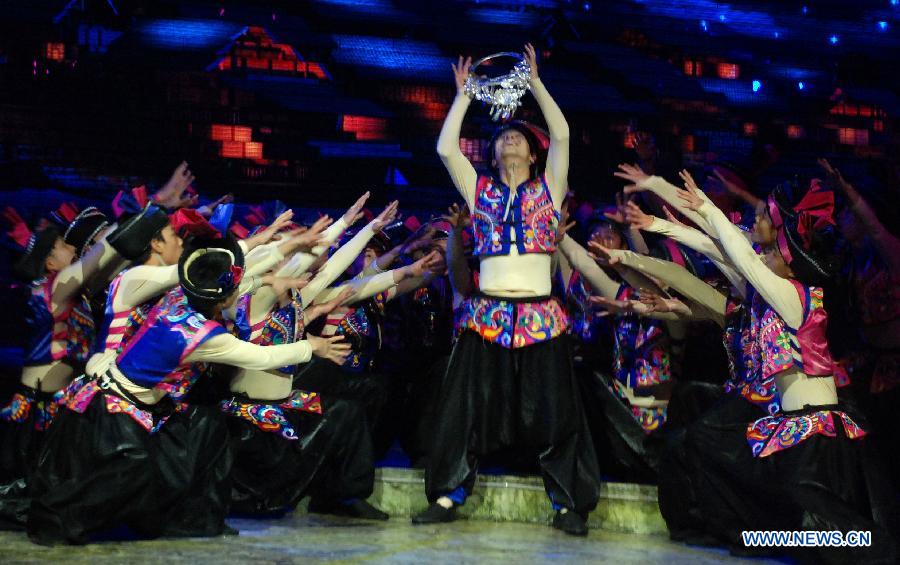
(504, 93)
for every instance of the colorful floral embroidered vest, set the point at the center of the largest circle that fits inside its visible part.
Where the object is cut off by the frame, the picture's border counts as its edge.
(69, 335)
(769, 346)
(155, 356)
(642, 349)
(529, 220)
(281, 326)
(584, 323)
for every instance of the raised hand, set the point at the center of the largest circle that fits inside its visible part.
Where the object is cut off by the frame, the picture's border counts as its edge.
(458, 216)
(633, 174)
(834, 175)
(619, 215)
(602, 255)
(692, 194)
(613, 306)
(333, 348)
(673, 218)
(171, 195)
(430, 263)
(531, 58)
(636, 218)
(461, 72)
(283, 284)
(388, 215)
(354, 212)
(281, 222)
(312, 237)
(326, 308)
(564, 224)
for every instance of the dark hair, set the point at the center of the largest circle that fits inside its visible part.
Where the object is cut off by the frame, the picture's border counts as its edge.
(817, 265)
(209, 271)
(534, 147)
(158, 236)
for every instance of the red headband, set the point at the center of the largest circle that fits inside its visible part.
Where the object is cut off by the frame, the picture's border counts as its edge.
(19, 230)
(815, 211)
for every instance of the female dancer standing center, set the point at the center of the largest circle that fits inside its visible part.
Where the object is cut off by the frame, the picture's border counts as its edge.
(510, 382)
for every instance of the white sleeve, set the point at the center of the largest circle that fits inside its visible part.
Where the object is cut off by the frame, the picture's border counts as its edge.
(337, 264)
(580, 261)
(668, 192)
(558, 152)
(461, 170)
(779, 293)
(229, 350)
(365, 288)
(701, 243)
(143, 282)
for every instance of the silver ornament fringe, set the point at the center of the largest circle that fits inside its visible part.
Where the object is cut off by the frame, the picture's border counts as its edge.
(503, 93)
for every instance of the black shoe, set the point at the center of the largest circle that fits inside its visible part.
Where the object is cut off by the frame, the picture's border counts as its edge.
(570, 523)
(356, 509)
(435, 514)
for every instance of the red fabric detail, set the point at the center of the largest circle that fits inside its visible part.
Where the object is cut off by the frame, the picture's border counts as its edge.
(189, 221)
(239, 231)
(816, 211)
(67, 212)
(19, 232)
(140, 194)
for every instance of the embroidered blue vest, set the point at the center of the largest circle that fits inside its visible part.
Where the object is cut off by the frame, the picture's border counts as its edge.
(530, 216)
(281, 326)
(154, 357)
(74, 339)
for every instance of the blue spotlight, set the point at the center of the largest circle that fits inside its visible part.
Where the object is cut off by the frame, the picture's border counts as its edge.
(756, 85)
(882, 26)
(805, 10)
(834, 39)
(721, 17)
(703, 25)
(895, 2)
(587, 6)
(800, 85)
(777, 35)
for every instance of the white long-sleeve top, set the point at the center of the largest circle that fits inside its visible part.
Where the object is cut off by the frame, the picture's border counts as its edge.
(778, 292)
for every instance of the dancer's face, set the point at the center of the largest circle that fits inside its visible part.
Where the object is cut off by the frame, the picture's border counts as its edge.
(763, 232)
(60, 257)
(608, 237)
(776, 263)
(512, 145)
(169, 246)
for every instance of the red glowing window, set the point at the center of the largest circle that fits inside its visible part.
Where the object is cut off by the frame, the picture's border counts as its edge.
(253, 150)
(242, 133)
(232, 149)
(794, 131)
(750, 129)
(853, 136)
(693, 68)
(865, 111)
(55, 51)
(365, 128)
(878, 125)
(728, 70)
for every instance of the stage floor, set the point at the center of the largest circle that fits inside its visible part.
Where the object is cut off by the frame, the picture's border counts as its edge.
(303, 538)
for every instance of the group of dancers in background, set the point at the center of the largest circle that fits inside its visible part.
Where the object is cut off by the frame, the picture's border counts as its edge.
(181, 365)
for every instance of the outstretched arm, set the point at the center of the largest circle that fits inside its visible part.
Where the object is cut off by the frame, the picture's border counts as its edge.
(558, 153)
(461, 170)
